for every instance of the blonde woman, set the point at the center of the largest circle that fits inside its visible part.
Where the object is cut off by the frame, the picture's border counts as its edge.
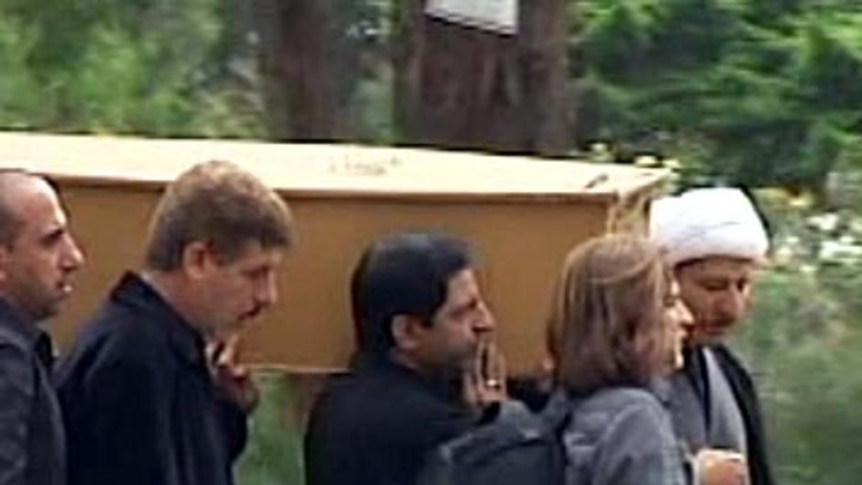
(615, 331)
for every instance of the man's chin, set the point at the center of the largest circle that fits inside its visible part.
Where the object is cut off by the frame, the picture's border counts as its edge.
(677, 361)
(232, 328)
(45, 313)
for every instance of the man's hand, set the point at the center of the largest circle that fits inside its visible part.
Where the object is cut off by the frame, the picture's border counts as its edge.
(484, 380)
(231, 377)
(721, 467)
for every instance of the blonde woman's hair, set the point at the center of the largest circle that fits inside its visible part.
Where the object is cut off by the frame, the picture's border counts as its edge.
(605, 326)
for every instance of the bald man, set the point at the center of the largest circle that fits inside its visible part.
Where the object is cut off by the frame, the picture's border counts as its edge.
(37, 259)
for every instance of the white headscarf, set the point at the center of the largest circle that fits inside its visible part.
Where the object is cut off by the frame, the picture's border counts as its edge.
(708, 222)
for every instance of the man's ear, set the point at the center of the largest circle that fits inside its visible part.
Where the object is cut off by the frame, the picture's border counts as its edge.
(196, 259)
(406, 332)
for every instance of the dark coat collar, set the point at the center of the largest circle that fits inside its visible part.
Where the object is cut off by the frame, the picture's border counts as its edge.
(366, 363)
(13, 321)
(132, 291)
(26, 334)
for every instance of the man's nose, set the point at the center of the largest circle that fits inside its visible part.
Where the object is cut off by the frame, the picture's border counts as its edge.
(484, 322)
(685, 318)
(733, 304)
(73, 256)
(267, 294)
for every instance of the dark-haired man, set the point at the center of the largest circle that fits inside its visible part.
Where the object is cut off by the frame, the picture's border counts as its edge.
(417, 378)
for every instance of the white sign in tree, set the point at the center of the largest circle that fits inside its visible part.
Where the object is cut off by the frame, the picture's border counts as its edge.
(495, 15)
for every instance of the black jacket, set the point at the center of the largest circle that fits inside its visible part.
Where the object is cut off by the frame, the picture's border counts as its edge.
(375, 425)
(138, 400)
(31, 429)
(747, 401)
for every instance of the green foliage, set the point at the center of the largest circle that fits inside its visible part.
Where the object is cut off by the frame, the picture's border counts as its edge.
(804, 339)
(766, 91)
(144, 67)
(16, 95)
(363, 70)
(804, 348)
(273, 455)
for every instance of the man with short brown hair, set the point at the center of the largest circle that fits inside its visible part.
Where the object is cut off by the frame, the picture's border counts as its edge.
(144, 400)
(38, 256)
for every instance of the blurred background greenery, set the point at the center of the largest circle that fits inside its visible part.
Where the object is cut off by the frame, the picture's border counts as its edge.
(760, 93)
(273, 455)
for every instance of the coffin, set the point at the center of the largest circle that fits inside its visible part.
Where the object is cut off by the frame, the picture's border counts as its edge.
(522, 215)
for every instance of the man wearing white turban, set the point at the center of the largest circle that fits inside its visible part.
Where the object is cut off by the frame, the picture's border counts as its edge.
(714, 240)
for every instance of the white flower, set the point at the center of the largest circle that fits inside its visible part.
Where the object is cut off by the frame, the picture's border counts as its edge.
(825, 222)
(839, 251)
(784, 254)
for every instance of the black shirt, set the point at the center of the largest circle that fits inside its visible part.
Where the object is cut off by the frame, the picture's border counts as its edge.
(32, 448)
(139, 402)
(376, 424)
(746, 398)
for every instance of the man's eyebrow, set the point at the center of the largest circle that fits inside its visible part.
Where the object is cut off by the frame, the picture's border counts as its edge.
(53, 232)
(468, 304)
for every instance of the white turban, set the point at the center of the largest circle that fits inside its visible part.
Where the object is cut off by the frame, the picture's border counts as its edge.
(708, 222)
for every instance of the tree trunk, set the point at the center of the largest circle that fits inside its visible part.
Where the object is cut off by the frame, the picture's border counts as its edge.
(466, 88)
(297, 68)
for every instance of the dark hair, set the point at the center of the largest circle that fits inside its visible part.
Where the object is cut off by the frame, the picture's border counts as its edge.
(221, 204)
(403, 274)
(606, 327)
